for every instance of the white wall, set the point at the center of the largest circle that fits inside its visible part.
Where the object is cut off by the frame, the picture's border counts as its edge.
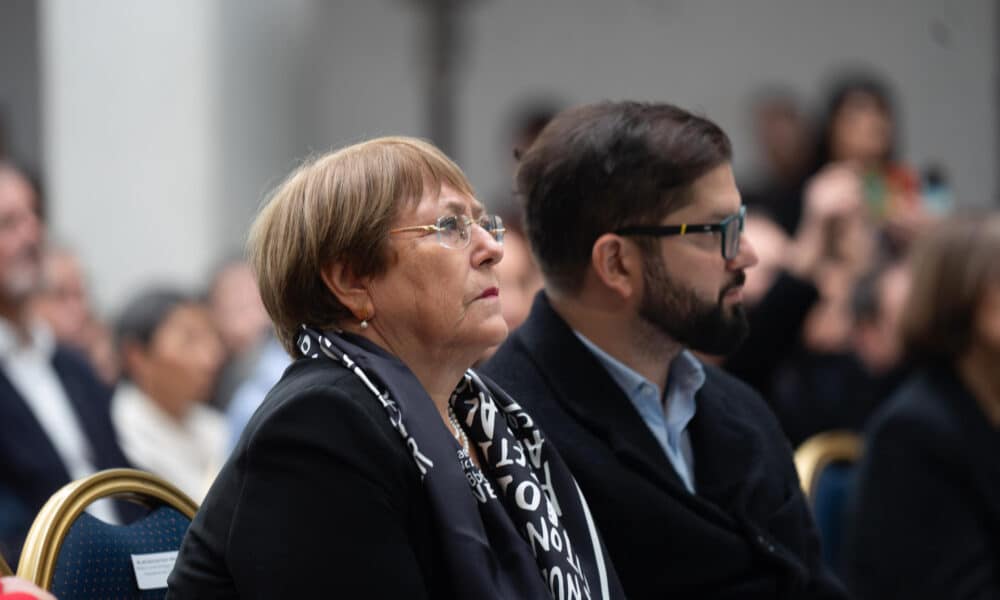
(166, 121)
(131, 150)
(711, 55)
(19, 110)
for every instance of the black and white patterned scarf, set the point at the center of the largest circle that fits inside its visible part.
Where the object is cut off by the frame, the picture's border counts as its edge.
(525, 531)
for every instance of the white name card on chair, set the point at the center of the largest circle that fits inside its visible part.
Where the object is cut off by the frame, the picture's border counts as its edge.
(151, 570)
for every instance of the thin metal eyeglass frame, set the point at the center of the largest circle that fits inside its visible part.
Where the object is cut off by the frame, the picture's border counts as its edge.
(492, 224)
(689, 228)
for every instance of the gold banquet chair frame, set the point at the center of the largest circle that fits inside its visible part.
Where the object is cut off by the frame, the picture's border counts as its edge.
(53, 522)
(822, 450)
(4, 567)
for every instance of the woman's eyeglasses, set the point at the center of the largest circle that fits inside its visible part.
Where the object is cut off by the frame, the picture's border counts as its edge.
(731, 227)
(455, 231)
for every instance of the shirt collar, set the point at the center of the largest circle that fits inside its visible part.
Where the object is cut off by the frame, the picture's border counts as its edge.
(40, 339)
(687, 374)
(627, 378)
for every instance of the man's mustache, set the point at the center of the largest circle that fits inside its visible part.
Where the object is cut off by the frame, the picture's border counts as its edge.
(738, 280)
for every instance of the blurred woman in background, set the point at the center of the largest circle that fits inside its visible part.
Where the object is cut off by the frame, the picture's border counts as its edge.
(171, 354)
(927, 523)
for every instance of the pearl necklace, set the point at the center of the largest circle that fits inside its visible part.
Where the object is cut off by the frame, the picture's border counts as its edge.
(459, 432)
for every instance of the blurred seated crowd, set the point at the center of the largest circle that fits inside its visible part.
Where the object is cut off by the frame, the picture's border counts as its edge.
(169, 382)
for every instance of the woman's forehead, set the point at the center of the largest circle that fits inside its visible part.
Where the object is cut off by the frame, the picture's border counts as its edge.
(448, 200)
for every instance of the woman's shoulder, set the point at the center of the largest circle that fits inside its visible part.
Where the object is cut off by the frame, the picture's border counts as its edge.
(922, 412)
(320, 387)
(321, 411)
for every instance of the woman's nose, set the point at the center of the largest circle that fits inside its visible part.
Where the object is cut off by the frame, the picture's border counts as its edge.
(486, 248)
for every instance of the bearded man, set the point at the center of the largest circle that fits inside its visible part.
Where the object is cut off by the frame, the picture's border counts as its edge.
(634, 217)
(55, 416)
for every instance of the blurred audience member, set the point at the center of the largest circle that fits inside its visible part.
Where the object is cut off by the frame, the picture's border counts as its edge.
(823, 392)
(171, 354)
(272, 360)
(860, 132)
(242, 323)
(790, 279)
(62, 302)
(519, 279)
(55, 424)
(786, 143)
(524, 122)
(927, 520)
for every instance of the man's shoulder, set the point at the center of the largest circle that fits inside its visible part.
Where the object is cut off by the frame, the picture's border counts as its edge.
(726, 392)
(719, 382)
(513, 351)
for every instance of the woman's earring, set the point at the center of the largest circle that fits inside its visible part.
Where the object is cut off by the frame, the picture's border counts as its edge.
(364, 320)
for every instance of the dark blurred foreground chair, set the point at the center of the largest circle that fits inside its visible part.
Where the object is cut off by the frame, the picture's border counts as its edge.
(827, 464)
(76, 555)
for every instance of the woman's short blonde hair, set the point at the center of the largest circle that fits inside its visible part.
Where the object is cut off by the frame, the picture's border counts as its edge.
(338, 207)
(952, 268)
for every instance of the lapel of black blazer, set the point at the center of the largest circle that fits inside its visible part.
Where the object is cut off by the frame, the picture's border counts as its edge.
(23, 435)
(728, 455)
(91, 402)
(586, 391)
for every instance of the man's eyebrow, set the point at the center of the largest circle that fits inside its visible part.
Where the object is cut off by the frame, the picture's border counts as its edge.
(720, 215)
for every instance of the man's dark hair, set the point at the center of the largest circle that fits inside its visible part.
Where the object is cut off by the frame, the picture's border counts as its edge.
(598, 167)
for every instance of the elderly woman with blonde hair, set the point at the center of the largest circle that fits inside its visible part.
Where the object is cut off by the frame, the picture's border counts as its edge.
(381, 466)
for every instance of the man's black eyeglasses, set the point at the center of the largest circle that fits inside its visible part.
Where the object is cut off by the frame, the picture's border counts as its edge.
(731, 227)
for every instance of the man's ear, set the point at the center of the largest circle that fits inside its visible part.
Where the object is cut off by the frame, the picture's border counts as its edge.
(350, 290)
(617, 263)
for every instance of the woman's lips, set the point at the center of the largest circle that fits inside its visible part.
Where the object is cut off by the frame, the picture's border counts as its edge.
(491, 292)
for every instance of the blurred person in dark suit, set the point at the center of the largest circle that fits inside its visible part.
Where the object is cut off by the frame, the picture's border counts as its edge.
(636, 222)
(55, 424)
(927, 517)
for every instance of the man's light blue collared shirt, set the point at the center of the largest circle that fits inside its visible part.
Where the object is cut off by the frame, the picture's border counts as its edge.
(669, 426)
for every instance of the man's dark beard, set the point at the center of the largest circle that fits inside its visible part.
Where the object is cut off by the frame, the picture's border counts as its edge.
(679, 313)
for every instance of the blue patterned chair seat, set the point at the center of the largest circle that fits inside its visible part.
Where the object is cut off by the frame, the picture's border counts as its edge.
(95, 558)
(76, 555)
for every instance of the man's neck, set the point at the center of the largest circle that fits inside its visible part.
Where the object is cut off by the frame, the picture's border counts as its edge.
(622, 334)
(16, 316)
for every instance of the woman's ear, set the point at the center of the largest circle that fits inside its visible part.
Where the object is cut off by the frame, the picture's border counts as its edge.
(350, 290)
(617, 263)
(134, 361)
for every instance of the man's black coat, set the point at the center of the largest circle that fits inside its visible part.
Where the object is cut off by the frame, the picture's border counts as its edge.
(747, 533)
